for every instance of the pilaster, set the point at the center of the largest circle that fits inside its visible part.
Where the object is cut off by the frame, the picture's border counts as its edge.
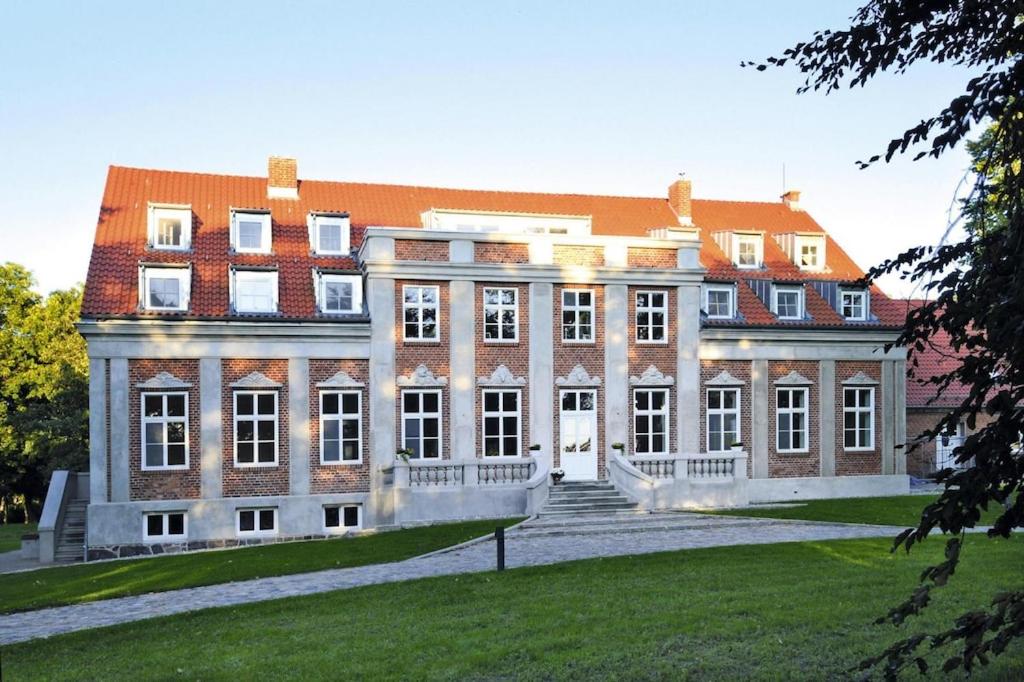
(97, 430)
(900, 415)
(119, 459)
(888, 417)
(616, 365)
(462, 386)
(211, 442)
(542, 376)
(298, 426)
(827, 416)
(759, 406)
(688, 368)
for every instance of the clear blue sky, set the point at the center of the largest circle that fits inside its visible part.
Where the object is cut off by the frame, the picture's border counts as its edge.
(592, 97)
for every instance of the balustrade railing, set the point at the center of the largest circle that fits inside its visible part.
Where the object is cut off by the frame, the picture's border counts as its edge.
(455, 473)
(703, 466)
(503, 473)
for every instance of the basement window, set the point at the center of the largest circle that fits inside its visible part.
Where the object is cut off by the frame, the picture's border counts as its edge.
(256, 522)
(165, 527)
(342, 518)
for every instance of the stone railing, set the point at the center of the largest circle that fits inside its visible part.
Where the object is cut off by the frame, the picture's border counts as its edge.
(448, 473)
(489, 473)
(681, 481)
(710, 466)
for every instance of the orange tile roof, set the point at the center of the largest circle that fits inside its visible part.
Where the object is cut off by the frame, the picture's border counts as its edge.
(120, 243)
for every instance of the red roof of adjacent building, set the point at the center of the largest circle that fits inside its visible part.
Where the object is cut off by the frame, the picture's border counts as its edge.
(937, 359)
(121, 235)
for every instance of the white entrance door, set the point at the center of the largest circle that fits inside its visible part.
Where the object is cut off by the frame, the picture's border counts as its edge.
(578, 434)
(945, 458)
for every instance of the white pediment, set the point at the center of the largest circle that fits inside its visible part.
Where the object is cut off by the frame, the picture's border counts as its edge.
(501, 377)
(163, 380)
(578, 377)
(724, 379)
(651, 376)
(256, 380)
(860, 379)
(794, 378)
(422, 376)
(341, 380)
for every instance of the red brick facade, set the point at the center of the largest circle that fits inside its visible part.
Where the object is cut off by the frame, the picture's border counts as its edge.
(661, 355)
(412, 249)
(565, 254)
(176, 483)
(338, 477)
(787, 464)
(501, 253)
(651, 258)
(254, 480)
(709, 369)
(857, 462)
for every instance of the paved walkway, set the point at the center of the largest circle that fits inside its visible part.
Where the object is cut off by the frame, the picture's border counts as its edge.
(14, 561)
(548, 540)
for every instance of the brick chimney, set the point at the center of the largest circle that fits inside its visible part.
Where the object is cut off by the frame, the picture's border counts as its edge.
(282, 178)
(679, 200)
(792, 200)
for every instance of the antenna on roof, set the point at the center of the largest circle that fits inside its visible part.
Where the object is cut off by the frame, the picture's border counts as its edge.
(682, 175)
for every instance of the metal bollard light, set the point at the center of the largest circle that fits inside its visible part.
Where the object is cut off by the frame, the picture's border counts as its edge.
(499, 537)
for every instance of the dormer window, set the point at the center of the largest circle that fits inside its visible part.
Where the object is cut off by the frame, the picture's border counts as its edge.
(788, 302)
(854, 304)
(810, 252)
(164, 288)
(329, 234)
(338, 294)
(250, 231)
(170, 227)
(719, 301)
(748, 250)
(254, 291)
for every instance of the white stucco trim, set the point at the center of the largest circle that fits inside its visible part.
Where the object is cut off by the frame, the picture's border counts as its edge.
(578, 377)
(421, 377)
(651, 376)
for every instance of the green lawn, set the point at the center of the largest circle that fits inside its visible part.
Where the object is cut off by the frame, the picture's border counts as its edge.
(10, 535)
(105, 580)
(788, 611)
(900, 510)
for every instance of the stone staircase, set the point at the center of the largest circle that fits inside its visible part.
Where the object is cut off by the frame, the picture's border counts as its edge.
(586, 497)
(70, 545)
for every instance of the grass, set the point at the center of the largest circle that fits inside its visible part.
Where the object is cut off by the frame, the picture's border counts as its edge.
(787, 611)
(899, 510)
(106, 580)
(10, 535)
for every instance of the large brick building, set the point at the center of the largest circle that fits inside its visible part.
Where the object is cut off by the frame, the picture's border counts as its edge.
(277, 358)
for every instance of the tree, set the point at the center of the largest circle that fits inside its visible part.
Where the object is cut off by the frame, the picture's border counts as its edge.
(43, 389)
(976, 284)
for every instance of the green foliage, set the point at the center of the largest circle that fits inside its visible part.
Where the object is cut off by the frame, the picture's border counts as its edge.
(43, 388)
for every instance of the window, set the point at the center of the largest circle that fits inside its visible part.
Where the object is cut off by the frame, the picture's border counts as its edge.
(170, 227)
(501, 423)
(859, 418)
(578, 315)
(854, 304)
(789, 303)
(718, 301)
(165, 288)
(254, 291)
(164, 431)
(341, 430)
(723, 417)
(164, 526)
(651, 317)
(250, 232)
(256, 522)
(255, 428)
(340, 518)
(791, 419)
(420, 313)
(650, 421)
(339, 294)
(810, 252)
(329, 234)
(748, 250)
(501, 314)
(421, 423)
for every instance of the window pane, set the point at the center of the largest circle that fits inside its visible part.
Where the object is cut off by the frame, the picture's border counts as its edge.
(330, 237)
(266, 452)
(247, 520)
(430, 448)
(430, 427)
(511, 446)
(714, 400)
(154, 433)
(266, 519)
(176, 406)
(154, 524)
(265, 430)
(350, 451)
(331, 517)
(586, 401)
(430, 402)
(351, 517)
(249, 234)
(176, 432)
(783, 398)
(266, 403)
(245, 453)
(492, 447)
(246, 430)
(411, 402)
(175, 455)
(569, 401)
(331, 450)
(509, 401)
(350, 403)
(350, 428)
(491, 402)
(331, 429)
(243, 403)
(175, 524)
(154, 405)
(330, 403)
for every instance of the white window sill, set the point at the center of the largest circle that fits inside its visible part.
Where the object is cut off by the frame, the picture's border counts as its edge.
(792, 452)
(421, 341)
(343, 463)
(177, 467)
(501, 342)
(868, 449)
(567, 342)
(663, 342)
(255, 465)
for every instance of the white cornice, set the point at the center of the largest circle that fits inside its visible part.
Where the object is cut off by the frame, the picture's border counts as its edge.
(527, 272)
(511, 238)
(256, 380)
(860, 379)
(163, 380)
(794, 378)
(800, 335)
(501, 376)
(243, 329)
(421, 376)
(651, 376)
(724, 379)
(340, 380)
(578, 377)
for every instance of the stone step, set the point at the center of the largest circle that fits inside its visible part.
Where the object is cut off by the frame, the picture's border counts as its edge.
(590, 497)
(584, 485)
(604, 506)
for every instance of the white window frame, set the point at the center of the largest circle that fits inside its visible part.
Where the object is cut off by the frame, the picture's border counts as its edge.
(340, 417)
(500, 308)
(322, 279)
(501, 414)
(165, 536)
(758, 241)
(651, 310)
(262, 217)
(576, 309)
(791, 411)
(798, 290)
(157, 212)
(650, 413)
(182, 275)
(722, 412)
(727, 288)
(858, 410)
(256, 418)
(164, 420)
(863, 294)
(242, 274)
(256, 532)
(818, 242)
(319, 220)
(439, 415)
(341, 528)
(420, 306)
